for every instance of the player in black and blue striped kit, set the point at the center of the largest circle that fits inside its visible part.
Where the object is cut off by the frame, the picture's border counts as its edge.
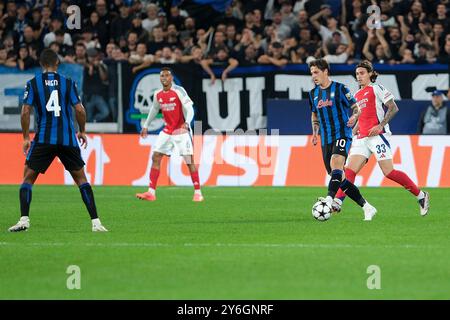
(53, 96)
(330, 102)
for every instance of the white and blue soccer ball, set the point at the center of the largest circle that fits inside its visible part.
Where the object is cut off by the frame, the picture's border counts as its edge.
(321, 211)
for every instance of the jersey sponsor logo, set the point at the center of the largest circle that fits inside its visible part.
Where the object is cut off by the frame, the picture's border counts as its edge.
(326, 103)
(172, 99)
(362, 103)
(366, 93)
(168, 106)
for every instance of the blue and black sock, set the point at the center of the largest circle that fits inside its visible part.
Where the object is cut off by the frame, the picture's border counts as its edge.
(335, 182)
(88, 198)
(25, 199)
(353, 192)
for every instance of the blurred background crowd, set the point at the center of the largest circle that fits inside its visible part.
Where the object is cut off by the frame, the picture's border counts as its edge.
(226, 34)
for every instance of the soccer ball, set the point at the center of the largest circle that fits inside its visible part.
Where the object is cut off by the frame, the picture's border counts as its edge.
(321, 211)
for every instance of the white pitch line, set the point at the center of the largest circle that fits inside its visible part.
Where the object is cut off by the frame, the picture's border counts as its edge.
(216, 245)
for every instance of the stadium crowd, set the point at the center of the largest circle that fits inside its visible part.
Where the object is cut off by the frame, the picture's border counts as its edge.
(274, 32)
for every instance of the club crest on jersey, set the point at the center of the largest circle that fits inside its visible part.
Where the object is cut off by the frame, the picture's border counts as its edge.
(348, 95)
(326, 103)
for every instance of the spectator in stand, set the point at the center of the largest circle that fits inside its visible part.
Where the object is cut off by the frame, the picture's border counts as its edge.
(141, 59)
(152, 17)
(158, 42)
(444, 57)
(231, 37)
(24, 61)
(80, 54)
(194, 57)
(57, 26)
(187, 42)
(436, 118)
(172, 36)
(274, 56)
(132, 41)
(220, 59)
(21, 22)
(382, 52)
(176, 18)
(122, 24)
(29, 39)
(5, 60)
(282, 30)
(104, 24)
(167, 56)
(95, 76)
(342, 52)
(326, 33)
(249, 56)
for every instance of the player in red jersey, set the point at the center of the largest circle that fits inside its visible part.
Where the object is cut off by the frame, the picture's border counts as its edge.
(177, 110)
(373, 136)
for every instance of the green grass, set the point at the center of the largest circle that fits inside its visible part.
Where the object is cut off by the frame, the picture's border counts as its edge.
(241, 243)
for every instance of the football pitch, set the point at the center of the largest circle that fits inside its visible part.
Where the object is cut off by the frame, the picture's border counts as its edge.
(241, 243)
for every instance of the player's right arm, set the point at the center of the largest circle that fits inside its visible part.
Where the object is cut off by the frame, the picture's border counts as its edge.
(25, 122)
(25, 114)
(314, 120)
(151, 115)
(315, 127)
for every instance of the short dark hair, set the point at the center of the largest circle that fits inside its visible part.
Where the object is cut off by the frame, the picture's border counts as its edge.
(366, 64)
(48, 58)
(322, 64)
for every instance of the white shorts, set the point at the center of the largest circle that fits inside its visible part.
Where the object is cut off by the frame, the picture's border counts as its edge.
(379, 145)
(166, 143)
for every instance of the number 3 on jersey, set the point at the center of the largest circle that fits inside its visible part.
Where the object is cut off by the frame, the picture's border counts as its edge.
(53, 103)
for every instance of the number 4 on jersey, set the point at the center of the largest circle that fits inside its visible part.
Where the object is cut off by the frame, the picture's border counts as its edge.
(53, 103)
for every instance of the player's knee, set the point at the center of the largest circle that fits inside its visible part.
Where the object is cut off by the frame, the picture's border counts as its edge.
(156, 158)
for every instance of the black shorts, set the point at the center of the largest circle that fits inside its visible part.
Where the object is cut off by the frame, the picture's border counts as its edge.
(340, 146)
(41, 155)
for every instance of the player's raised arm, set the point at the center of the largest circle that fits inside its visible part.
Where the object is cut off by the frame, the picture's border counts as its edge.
(154, 109)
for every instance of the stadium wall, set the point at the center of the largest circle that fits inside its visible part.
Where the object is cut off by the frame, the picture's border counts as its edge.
(234, 160)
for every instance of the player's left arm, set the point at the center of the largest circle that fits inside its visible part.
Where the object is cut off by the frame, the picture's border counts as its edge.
(349, 100)
(187, 106)
(388, 100)
(80, 115)
(392, 110)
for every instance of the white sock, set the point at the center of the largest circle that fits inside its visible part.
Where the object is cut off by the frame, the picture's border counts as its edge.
(152, 191)
(24, 219)
(421, 195)
(329, 200)
(198, 192)
(96, 222)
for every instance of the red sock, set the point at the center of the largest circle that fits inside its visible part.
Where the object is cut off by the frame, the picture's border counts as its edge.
(154, 174)
(401, 178)
(350, 176)
(195, 180)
